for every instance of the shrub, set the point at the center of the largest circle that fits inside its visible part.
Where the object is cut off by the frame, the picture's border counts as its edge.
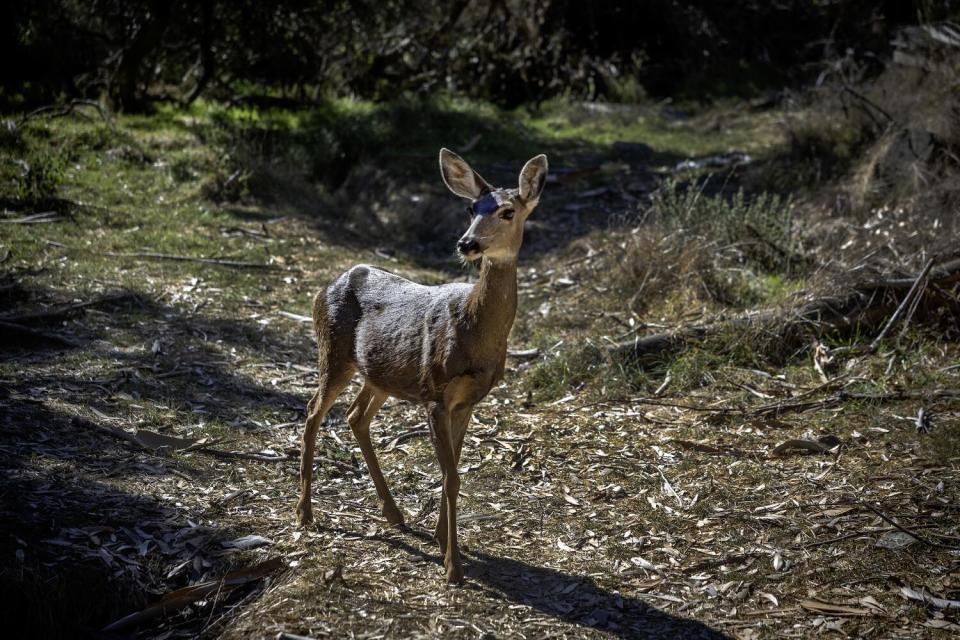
(759, 228)
(41, 176)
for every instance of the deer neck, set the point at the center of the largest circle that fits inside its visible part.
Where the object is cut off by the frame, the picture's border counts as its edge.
(492, 303)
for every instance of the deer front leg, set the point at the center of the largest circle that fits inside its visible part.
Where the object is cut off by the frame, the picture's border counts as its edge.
(459, 419)
(444, 445)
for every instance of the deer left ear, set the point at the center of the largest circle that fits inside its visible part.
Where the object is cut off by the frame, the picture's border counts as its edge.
(460, 178)
(533, 177)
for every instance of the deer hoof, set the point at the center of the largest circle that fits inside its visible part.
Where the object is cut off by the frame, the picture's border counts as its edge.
(393, 516)
(304, 515)
(455, 573)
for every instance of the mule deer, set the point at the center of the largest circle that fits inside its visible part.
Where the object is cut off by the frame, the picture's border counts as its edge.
(443, 346)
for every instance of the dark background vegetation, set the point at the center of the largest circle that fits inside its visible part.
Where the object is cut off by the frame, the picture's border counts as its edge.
(507, 51)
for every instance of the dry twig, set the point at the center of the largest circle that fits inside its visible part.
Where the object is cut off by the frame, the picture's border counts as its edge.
(919, 537)
(149, 255)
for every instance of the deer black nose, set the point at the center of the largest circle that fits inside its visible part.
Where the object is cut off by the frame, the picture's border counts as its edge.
(468, 246)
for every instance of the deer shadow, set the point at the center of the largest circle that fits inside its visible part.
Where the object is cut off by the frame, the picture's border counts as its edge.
(574, 599)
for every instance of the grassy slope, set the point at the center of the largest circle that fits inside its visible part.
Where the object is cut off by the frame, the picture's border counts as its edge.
(584, 510)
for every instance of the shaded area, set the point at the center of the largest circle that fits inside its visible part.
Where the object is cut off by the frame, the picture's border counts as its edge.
(81, 546)
(169, 356)
(93, 530)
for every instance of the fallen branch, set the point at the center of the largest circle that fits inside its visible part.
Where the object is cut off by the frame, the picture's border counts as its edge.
(180, 598)
(864, 305)
(523, 354)
(149, 255)
(13, 332)
(917, 536)
(684, 405)
(64, 311)
(34, 218)
(153, 442)
(403, 437)
(914, 291)
(840, 397)
(113, 432)
(57, 111)
(295, 316)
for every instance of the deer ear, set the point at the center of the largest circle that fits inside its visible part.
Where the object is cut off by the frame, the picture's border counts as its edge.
(533, 177)
(460, 178)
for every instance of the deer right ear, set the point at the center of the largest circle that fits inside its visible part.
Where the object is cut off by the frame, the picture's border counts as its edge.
(533, 177)
(460, 178)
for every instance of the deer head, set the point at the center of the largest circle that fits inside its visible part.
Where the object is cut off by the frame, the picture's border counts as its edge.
(496, 215)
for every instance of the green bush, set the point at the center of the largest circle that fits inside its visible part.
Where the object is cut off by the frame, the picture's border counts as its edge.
(760, 227)
(41, 176)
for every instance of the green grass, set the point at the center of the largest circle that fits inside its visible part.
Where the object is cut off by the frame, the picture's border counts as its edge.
(712, 132)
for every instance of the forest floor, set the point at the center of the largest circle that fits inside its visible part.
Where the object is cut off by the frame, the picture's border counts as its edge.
(720, 493)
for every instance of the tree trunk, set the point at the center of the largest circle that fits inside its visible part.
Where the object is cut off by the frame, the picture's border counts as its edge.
(208, 62)
(125, 84)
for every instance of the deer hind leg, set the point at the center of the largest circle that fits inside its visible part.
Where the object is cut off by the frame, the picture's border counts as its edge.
(361, 413)
(332, 383)
(459, 419)
(439, 418)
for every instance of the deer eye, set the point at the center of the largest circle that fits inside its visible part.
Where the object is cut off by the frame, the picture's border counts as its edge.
(507, 214)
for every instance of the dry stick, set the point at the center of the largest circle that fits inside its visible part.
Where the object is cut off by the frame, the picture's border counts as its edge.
(34, 218)
(67, 110)
(65, 310)
(820, 543)
(180, 598)
(915, 290)
(856, 94)
(914, 534)
(912, 310)
(113, 432)
(126, 436)
(842, 396)
(689, 407)
(782, 407)
(13, 329)
(166, 256)
(259, 457)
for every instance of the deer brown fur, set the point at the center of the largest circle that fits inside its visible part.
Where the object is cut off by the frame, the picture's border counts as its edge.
(443, 346)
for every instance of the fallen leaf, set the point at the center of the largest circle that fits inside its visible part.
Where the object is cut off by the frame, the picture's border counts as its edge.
(333, 575)
(644, 564)
(831, 609)
(822, 444)
(248, 542)
(569, 498)
(895, 540)
(922, 596)
(690, 445)
(565, 547)
(942, 624)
